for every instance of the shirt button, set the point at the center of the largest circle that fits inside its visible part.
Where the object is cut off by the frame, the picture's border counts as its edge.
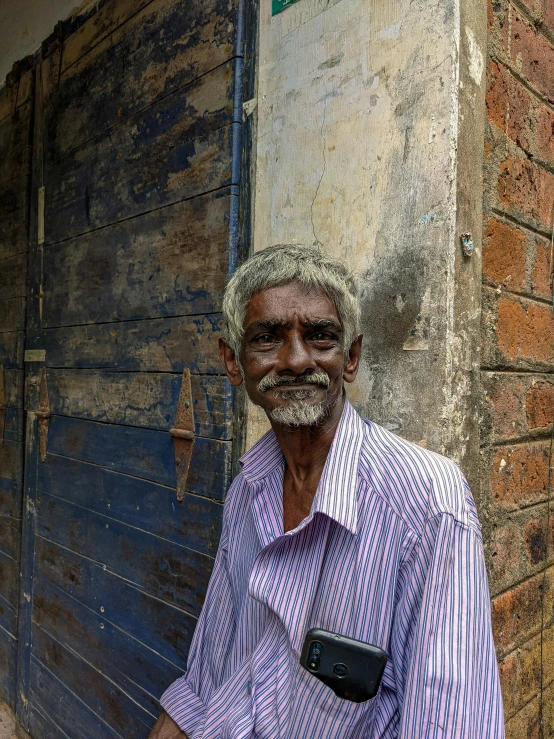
(249, 688)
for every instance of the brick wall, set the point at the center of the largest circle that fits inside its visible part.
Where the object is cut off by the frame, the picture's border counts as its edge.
(518, 353)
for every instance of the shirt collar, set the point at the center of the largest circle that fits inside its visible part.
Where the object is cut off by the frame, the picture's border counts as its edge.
(336, 494)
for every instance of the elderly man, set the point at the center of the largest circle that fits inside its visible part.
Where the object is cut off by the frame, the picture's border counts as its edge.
(333, 522)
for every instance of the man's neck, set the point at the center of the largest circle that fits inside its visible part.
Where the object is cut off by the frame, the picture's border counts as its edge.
(306, 448)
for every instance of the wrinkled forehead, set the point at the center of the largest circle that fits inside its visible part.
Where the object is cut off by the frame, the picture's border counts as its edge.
(288, 303)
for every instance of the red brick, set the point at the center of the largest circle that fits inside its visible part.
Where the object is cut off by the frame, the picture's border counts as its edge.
(504, 254)
(541, 279)
(525, 330)
(503, 395)
(548, 14)
(539, 403)
(509, 105)
(525, 723)
(519, 474)
(516, 547)
(532, 55)
(527, 190)
(534, 537)
(517, 613)
(520, 672)
(544, 133)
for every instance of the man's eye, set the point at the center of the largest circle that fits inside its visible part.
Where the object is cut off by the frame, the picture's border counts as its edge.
(264, 339)
(323, 336)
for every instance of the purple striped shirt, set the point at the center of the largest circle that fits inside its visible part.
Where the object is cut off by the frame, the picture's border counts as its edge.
(390, 554)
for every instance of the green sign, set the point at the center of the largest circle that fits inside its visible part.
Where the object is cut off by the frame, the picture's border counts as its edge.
(279, 5)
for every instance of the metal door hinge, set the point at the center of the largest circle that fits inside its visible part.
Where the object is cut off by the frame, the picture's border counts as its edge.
(43, 414)
(183, 435)
(2, 404)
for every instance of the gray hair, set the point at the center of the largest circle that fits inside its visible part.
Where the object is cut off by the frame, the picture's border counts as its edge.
(280, 265)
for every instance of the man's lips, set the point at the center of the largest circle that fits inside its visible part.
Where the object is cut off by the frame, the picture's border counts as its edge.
(303, 386)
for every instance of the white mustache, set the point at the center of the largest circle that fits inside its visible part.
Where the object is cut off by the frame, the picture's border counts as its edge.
(321, 379)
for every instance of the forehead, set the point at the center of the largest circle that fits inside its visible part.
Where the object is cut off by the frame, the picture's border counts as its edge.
(284, 303)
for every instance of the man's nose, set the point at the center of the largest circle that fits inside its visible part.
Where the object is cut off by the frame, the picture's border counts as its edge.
(295, 356)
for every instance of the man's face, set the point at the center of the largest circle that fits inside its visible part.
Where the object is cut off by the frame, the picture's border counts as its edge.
(292, 354)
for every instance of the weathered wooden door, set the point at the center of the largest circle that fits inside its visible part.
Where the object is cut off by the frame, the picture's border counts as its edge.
(135, 196)
(15, 168)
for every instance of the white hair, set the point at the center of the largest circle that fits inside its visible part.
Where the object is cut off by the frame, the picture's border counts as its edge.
(281, 265)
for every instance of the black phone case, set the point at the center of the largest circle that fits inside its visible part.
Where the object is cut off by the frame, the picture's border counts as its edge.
(351, 668)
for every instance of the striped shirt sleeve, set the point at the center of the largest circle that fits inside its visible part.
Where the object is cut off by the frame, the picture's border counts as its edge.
(442, 645)
(185, 700)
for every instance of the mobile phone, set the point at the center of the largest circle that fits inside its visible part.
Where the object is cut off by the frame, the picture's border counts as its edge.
(351, 668)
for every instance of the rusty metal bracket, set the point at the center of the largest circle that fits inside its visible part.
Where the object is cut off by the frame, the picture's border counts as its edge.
(183, 435)
(2, 404)
(43, 414)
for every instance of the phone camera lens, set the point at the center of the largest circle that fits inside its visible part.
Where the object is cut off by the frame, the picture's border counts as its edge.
(340, 669)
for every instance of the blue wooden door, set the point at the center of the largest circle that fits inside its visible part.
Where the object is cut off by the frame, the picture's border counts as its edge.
(15, 167)
(136, 146)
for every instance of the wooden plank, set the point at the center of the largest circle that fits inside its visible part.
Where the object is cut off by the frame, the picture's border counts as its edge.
(13, 429)
(25, 89)
(11, 349)
(5, 102)
(194, 523)
(12, 314)
(8, 661)
(13, 238)
(165, 629)
(164, 569)
(137, 269)
(13, 276)
(166, 46)
(148, 400)
(160, 156)
(10, 537)
(28, 512)
(13, 387)
(10, 501)
(142, 453)
(157, 345)
(138, 671)
(101, 23)
(43, 725)
(9, 578)
(8, 617)
(14, 165)
(100, 695)
(67, 712)
(11, 464)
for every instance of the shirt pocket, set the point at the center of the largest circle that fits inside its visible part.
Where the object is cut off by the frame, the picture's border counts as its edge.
(319, 712)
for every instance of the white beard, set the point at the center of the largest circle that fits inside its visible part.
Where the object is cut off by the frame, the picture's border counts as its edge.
(299, 413)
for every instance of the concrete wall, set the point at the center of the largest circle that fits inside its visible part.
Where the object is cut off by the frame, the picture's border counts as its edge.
(25, 24)
(361, 111)
(518, 354)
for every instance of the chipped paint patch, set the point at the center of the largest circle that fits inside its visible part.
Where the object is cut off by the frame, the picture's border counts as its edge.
(475, 58)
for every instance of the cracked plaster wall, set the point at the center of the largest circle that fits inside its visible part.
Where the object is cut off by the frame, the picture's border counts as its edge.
(358, 126)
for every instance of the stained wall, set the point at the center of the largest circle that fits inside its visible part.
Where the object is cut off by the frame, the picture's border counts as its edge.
(362, 111)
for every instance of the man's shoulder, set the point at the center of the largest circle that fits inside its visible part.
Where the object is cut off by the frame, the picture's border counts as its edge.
(416, 483)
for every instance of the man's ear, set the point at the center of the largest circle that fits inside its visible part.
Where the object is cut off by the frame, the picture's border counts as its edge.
(353, 362)
(232, 369)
